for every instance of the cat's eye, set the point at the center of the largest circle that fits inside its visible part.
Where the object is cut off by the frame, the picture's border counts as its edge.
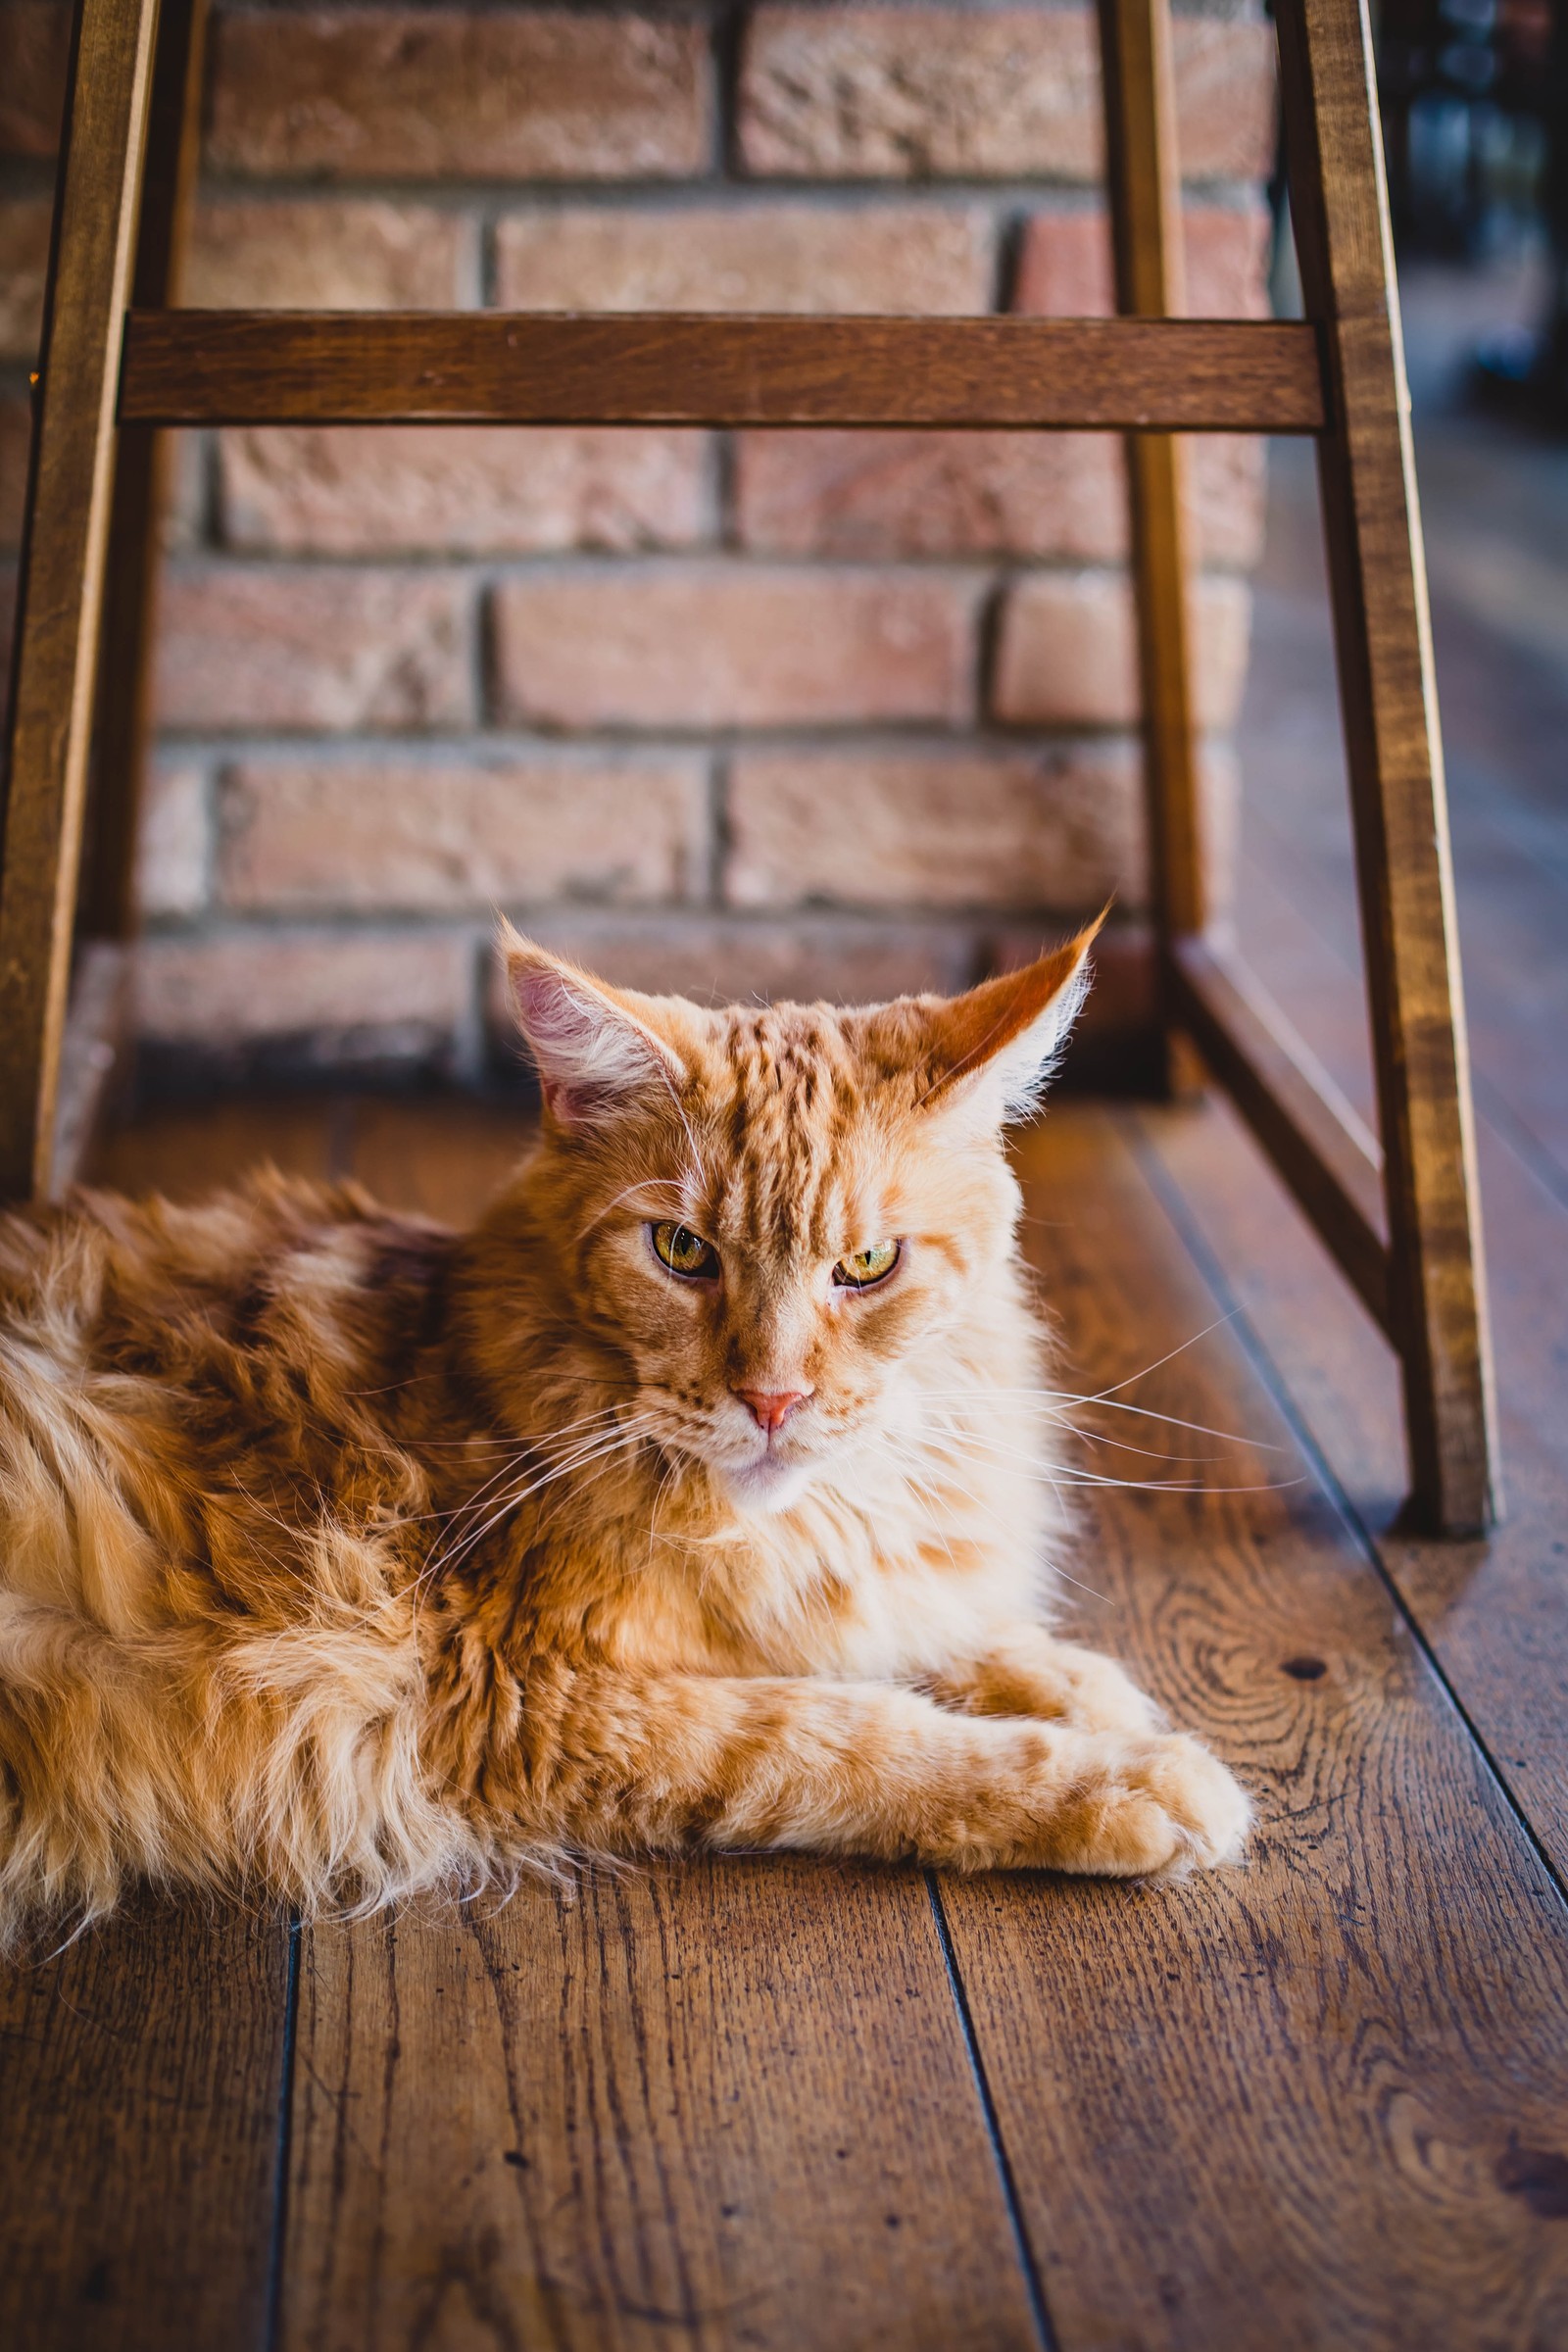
(684, 1251)
(864, 1267)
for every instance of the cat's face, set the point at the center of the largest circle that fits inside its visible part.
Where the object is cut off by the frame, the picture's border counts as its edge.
(772, 1216)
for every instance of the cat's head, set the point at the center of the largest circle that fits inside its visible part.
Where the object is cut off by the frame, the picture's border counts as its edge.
(773, 1213)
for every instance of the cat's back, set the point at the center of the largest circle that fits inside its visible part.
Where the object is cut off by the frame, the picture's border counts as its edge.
(311, 1281)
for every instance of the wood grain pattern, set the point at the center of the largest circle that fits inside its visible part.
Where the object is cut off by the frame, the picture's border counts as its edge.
(1145, 186)
(720, 2105)
(141, 2076)
(131, 588)
(1394, 758)
(1319, 2099)
(1316, 1140)
(1493, 1610)
(288, 367)
(65, 533)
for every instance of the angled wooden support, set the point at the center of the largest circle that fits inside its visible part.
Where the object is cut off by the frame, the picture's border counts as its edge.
(65, 541)
(1398, 1215)
(130, 589)
(1394, 755)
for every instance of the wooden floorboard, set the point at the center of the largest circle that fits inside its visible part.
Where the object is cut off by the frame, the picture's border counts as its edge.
(141, 2081)
(717, 2105)
(1317, 2099)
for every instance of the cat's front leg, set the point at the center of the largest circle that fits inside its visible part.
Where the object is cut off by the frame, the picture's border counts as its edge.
(630, 1764)
(1023, 1670)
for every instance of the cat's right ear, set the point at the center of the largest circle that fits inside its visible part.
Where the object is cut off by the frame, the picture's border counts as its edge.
(594, 1052)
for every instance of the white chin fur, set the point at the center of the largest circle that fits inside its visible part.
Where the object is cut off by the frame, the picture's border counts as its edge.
(768, 1485)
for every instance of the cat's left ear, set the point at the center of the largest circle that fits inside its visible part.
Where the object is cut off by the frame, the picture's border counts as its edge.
(596, 1048)
(998, 1046)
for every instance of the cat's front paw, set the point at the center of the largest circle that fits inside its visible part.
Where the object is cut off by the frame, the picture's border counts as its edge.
(1097, 1696)
(1148, 1808)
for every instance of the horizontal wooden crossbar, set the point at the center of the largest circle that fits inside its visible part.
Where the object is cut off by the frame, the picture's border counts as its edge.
(1320, 1146)
(500, 367)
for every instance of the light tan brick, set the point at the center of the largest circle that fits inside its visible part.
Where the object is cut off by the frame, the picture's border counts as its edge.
(913, 259)
(718, 645)
(34, 40)
(400, 992)
(23, 266)
(1061, 495)
(16, 435)
(469, 490)
(439, 834)
(281, 647)
(1066, 651)
(323, 254)
(1065, 263)
(1059, 828)
(174, 850)
(901, 93)
(739, 959)
(398, 93)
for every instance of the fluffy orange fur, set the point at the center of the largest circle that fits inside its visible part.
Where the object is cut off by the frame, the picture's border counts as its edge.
(343, 1555)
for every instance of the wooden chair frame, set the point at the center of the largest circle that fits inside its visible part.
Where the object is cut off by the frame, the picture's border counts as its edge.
(119, 363)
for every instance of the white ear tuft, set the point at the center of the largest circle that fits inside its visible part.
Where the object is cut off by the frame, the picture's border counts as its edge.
(593, 1053)
(997, 1049)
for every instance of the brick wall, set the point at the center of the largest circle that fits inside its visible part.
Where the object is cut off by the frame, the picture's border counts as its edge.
(806, 711)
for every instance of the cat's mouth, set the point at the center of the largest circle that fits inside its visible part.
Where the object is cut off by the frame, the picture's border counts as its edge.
(769, 1481)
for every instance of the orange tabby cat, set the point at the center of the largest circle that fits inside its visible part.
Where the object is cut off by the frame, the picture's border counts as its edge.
(693, 1499)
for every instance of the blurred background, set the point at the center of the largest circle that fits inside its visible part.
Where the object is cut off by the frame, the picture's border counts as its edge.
(766, 713)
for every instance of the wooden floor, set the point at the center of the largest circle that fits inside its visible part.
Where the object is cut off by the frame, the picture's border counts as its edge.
(1320, 2100)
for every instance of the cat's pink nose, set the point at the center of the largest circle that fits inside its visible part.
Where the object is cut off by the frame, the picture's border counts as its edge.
(770, 1409)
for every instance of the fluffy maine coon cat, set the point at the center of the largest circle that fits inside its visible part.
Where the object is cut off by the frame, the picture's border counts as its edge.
(692, 1499)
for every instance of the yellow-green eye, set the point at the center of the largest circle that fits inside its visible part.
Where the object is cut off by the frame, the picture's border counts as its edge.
(684, 1251)
(866, 1267)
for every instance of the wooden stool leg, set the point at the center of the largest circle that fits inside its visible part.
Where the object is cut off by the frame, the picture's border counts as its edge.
(1377, 574)
(65, 536)
(1143, 186)
(131, 588)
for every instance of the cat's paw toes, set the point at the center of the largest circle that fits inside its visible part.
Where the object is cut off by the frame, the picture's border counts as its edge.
(1100, 1697)
(1156, 1808)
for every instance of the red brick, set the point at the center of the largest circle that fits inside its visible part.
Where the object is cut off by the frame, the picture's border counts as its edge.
(731, 960)
(449, 94)
(24, 265)
(442, 834)
(1226, 472)
(249, 986)
(280, 647)
(1065, 263)
(918, 259)
(902, 93)
(1066, 652)
(1062, 495)
(468, 489)
(718, 645)
(248, 254)
(1058, 828)
(174, 850)
(35, 41)
(16, 436)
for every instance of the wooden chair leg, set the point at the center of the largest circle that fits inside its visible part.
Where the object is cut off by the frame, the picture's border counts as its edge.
(124, 729)
(1144, 187)
(65, 537)
(1339, 203)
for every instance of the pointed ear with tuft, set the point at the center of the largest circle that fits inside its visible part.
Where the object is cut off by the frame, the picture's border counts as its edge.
(594, 1046)
(997, 1048)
